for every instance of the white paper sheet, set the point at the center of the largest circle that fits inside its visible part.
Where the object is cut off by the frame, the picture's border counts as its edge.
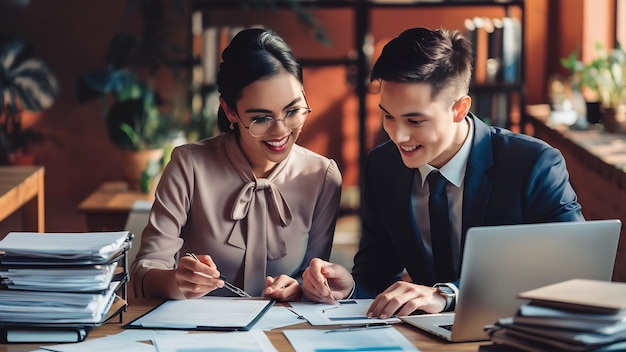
(104, 344)
(277, 317)
(365, 339)
(244, 341)
(348, 312)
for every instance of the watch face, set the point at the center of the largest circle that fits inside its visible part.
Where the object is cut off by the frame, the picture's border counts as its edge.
(446, 290)
(448, 294)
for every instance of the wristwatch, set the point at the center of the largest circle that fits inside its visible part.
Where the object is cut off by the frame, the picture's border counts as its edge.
(448, 294)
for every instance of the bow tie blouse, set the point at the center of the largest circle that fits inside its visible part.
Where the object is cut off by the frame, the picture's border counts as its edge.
(208, 201)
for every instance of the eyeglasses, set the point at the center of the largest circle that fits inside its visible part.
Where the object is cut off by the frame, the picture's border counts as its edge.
(293, 118)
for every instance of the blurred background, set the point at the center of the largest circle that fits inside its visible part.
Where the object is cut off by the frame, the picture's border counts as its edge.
(336, 40)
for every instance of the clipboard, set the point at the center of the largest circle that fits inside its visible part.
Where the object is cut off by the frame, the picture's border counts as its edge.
(207, 313)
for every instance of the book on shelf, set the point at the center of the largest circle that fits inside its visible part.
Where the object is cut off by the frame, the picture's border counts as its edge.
(511, 49)
(481, 43)
(497, 49)
(494, 51)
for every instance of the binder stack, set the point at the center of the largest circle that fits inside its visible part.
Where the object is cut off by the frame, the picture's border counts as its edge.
(574, 315)
(56, 287)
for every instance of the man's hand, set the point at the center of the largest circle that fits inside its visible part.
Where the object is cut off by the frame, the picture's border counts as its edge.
(403, 298)
(326, 282)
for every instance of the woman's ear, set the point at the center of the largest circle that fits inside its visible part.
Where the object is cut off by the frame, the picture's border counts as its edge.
(230, 114)
(461, 107)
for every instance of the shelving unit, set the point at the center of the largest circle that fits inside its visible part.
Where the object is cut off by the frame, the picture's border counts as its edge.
(359, 62)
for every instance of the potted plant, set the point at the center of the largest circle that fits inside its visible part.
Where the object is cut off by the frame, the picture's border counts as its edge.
(136, 121)
(605, 78)
(26, 85)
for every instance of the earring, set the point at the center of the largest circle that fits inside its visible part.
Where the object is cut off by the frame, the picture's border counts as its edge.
(232, 126)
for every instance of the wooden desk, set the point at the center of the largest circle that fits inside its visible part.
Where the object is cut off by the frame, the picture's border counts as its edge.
(107, 208)
(596, 162)
(138, 307)
(23, 187)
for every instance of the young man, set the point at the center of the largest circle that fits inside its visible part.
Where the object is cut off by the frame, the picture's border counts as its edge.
(493, 177)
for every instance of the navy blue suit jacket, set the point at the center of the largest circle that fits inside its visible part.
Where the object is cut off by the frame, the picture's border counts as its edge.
(510, 179)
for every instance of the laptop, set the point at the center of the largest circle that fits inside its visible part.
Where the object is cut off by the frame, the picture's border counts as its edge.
(501, 261)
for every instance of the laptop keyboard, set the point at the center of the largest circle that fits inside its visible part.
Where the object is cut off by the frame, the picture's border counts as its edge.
(446, 326)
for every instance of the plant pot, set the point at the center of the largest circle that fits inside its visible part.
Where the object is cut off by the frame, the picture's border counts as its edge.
(22, 159)
(614, 119)
(134, 162)
(593, 112)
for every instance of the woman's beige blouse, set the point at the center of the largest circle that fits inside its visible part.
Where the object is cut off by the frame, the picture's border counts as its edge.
(209, 202)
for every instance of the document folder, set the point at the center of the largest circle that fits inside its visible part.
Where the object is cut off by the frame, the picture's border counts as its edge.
(46, 335)
(206, 313)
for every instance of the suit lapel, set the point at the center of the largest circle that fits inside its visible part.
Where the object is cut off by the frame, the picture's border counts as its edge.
(478, 186)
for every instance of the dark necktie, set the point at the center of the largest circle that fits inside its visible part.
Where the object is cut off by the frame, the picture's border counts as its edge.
(440, 227)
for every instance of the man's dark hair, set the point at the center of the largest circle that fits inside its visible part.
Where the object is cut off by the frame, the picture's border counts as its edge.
(440, 58)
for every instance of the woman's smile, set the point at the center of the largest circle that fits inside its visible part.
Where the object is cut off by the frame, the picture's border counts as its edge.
(277, 145)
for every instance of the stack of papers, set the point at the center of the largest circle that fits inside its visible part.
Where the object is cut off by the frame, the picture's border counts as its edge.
(55, 307)
(62, 248)
(574, 315)
(63, 282)
(59, 279)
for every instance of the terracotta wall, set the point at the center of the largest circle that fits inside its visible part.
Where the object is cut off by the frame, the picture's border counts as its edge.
(72, 36)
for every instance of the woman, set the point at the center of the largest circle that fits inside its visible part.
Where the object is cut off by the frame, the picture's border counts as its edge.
(254, 206)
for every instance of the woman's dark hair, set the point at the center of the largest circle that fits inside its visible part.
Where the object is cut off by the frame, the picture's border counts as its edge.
(440, 58)
(252, 54)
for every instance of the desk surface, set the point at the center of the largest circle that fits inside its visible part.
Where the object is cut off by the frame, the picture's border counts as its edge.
(112, 197)
(602, 151)
(23, 187)
(138, 307)
(107, 208)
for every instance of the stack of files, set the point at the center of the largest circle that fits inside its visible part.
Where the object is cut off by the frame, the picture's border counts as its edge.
(574, 315)
(55, 287)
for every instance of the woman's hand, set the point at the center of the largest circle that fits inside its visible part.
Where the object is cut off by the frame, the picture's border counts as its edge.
(326, 282)
(282, 288)
(196, 278)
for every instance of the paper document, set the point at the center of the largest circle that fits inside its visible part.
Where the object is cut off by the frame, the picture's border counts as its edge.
(277, 317)
(103, 344)
(370, 339)
(55, 307)
(206, 313)
(239, 341)
(67, 278)
(94, 247)
(347, 312)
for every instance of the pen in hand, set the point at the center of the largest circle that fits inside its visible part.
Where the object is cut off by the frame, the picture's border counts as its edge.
(330, 292)
(232, 288)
